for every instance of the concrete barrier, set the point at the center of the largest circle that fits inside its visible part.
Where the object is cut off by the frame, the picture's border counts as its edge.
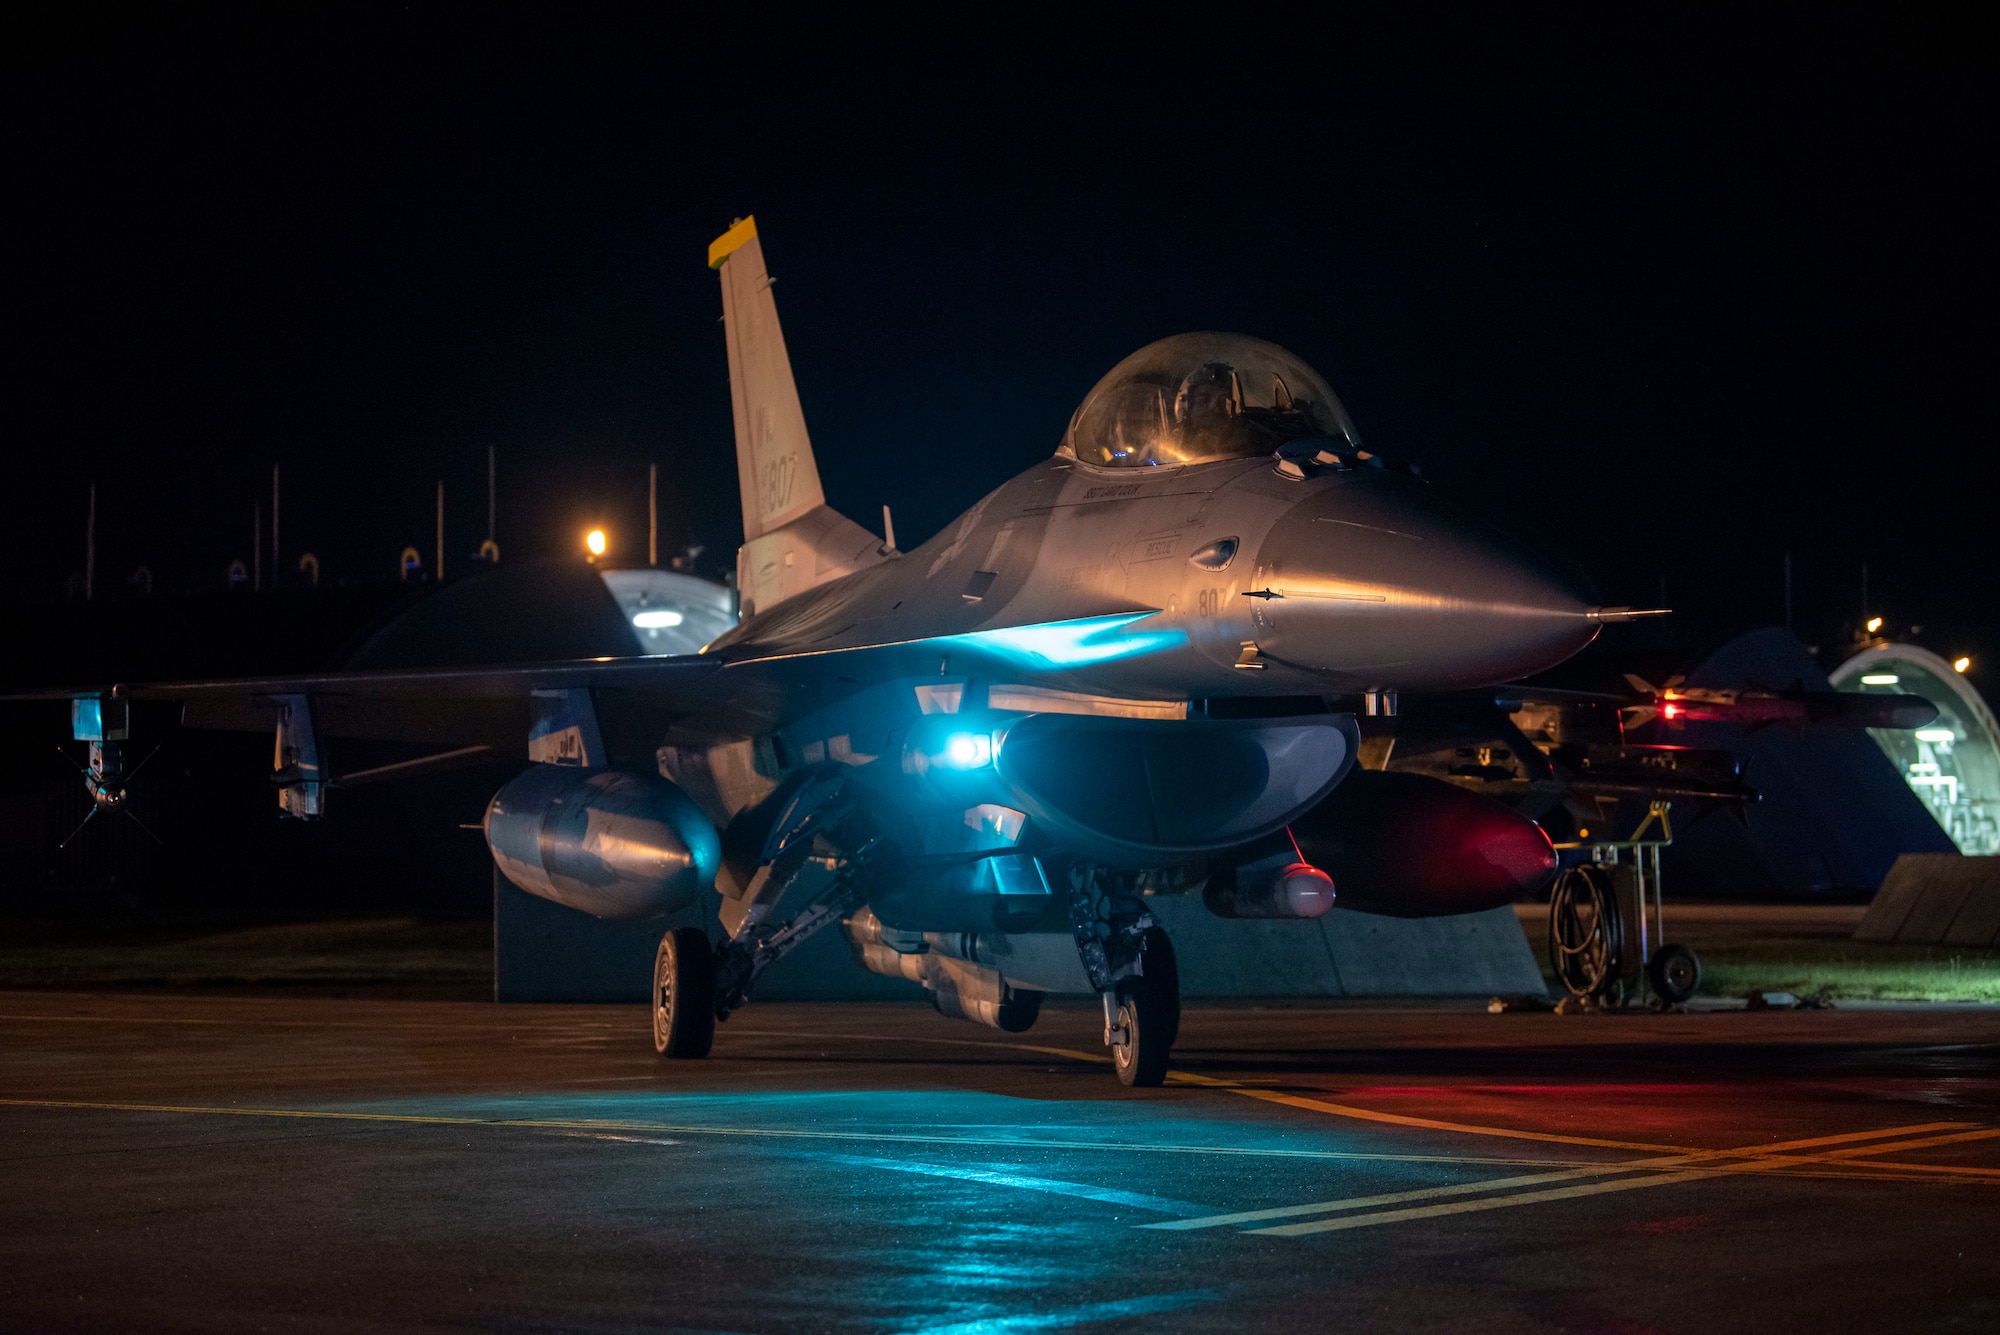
(1936, 899)
(544, 952)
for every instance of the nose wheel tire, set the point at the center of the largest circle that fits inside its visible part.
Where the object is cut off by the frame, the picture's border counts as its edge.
(1146, 1024)
(1163, 971)
(1675, 973)
(684, 994)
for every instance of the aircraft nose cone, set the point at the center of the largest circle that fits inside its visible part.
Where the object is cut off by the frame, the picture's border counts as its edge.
(1379, 584)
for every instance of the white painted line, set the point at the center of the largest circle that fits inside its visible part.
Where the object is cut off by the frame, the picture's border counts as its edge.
(1136, 1200)
(1490, 1203)
(1654, 1165)
(1390, 1198)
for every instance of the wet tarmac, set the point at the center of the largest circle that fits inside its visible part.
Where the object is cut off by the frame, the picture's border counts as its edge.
(242, 1163)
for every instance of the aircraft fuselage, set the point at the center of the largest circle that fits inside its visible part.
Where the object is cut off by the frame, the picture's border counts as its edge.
(1214, 579)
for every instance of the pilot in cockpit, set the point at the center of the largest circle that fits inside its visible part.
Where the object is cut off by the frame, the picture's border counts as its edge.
(1206, 407)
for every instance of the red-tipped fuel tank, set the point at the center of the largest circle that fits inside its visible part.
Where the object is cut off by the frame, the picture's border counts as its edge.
(1410, 846)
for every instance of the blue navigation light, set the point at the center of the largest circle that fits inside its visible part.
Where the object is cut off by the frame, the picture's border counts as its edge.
(1079, 643)
(967, 750)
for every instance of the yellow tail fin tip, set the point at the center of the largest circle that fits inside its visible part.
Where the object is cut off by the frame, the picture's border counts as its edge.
(723, 246)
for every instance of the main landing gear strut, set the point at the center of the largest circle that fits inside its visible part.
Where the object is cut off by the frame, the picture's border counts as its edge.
(1127, 956)
(811, 856)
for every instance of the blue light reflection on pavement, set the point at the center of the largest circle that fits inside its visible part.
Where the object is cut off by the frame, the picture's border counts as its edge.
(975, 1119)
(1123, 1309)
(1015, 1216)
(1000, 1175)
(924, 1209)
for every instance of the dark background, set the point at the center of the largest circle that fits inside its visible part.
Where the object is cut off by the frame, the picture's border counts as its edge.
(1676, 294)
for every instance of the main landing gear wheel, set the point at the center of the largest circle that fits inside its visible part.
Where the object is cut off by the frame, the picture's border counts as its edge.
(684, 994)
(1164, 972)
(1675, 973)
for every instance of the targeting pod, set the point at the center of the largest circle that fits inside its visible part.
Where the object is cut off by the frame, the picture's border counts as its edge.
(1269, 879)
(1288, 889)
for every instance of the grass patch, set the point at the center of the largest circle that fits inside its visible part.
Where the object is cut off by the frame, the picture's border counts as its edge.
(1857, 970)
(399, 955)
(1813, 954)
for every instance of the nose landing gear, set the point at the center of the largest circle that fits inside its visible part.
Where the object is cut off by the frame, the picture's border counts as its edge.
(1130, 961)
(1142, 1017)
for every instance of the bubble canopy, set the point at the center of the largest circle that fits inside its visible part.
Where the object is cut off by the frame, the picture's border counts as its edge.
(1196, 398)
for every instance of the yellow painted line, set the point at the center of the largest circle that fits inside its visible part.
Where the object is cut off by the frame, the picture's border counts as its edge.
(1513, 1133)
(372, 1026)
(1849, 1137)
(669, 1128)
(1987, 1133)
(1674, 1162)
(1095, 1057)
(1421, 1123)
(1491, 1203)
(1370, 1114)
(1754, 1163)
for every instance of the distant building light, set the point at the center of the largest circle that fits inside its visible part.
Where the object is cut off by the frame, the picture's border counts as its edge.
(1936, 735)
(1960, 664)
(656, 620)
(596, 542)
(1874, 624)
(1880, 679)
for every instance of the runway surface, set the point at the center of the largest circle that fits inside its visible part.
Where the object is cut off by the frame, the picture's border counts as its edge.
(223, 1163)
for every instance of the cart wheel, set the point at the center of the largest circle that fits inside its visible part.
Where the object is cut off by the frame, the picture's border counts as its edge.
(1585, 934)
(1674, 972)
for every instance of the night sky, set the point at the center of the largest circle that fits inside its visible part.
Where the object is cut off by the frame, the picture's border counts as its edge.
(1671, 299)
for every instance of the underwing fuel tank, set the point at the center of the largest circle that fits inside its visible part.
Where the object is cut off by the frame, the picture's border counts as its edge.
(613, 844)
(1410, 846)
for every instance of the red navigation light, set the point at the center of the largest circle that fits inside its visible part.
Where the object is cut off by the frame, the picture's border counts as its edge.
(1670, 711)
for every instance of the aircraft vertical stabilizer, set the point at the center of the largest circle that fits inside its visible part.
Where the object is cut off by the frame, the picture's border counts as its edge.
(791, 540)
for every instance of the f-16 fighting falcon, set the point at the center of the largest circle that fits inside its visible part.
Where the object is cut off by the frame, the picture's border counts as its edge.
(1133, 670)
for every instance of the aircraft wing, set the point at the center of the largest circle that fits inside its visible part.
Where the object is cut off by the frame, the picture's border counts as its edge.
(488, 705)
(736, 691)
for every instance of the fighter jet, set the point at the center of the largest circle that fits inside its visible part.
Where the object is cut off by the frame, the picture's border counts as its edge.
(1133, 670)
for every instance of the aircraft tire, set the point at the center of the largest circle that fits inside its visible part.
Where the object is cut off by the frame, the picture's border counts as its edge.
(1145, 1012)
(1164, 972)
(684, 994)
(1675, 973)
